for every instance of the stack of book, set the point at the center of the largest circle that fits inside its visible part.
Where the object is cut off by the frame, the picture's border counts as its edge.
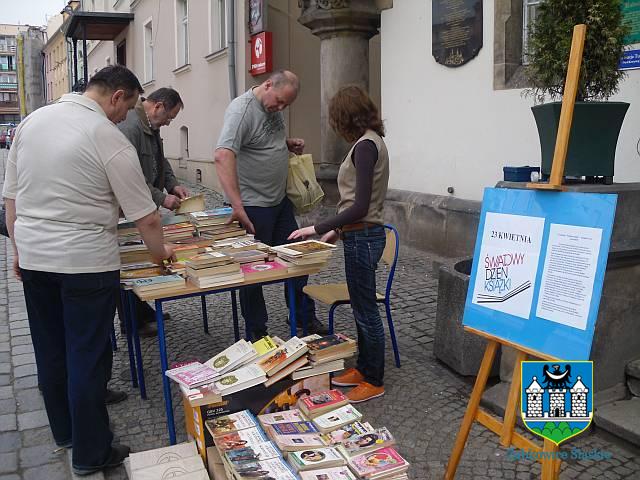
(304, 255)
(177, 231)
(232, 357)
(157, 284)
(293, 436)
(284, 360)
(192, 374)
(248, 256)
(213, 217)
(327, 354)
(263, 271)
(245, 450)
(181, 460)
(132, 271)
(317, 404)
(133, 251)
(212, 269)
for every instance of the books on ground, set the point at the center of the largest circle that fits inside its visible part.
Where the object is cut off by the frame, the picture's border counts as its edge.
(322, 402)
(286, 416)
(275, 468)
(265, 346)
(230, 423)
(292, 349)
(378, 464)
(286, 371)
(334, 419)
(242, 456)
(202, 395)
(294, 436)
(237, 354)
(315, 458)
(240, 379)
(191, 375)
(249, 437)
(337, 473)
(344, 433)
(366, 442)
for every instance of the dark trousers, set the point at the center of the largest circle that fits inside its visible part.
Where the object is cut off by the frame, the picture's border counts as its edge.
(273, 225)
(362, 252)
(70, 316)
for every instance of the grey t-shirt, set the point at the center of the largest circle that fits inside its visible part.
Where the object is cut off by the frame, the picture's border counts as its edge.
(258, 139)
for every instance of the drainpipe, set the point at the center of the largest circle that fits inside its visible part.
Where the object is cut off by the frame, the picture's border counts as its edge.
(231, 52)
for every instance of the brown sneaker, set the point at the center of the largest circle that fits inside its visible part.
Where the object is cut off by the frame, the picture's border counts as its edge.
(350, 378)
(363, 392)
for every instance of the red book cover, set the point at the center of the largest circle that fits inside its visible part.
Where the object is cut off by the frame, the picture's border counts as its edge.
(322, 400)
(262, 268)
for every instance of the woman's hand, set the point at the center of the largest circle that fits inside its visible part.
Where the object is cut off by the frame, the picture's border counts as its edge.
(330, 237)
(303, 233)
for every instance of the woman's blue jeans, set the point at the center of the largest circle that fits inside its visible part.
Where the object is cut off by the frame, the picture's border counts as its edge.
(362, 252)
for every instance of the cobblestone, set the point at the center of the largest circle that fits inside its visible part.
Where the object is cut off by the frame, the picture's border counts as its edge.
(423, 405)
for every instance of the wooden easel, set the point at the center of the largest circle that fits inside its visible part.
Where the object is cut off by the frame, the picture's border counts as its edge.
(505, 428)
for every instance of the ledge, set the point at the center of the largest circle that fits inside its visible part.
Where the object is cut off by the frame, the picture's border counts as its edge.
(149, 83)
(184, 68)
(217, 54)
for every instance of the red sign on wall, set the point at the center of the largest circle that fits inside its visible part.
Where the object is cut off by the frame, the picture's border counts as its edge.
(261, 54)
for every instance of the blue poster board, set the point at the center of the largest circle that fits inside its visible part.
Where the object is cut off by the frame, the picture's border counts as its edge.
(538, 269)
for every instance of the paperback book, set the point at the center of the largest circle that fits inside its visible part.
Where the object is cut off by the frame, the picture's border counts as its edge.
(334, 419)
(322, 402)
(274, 468)
(191, 375)
(312, 459)
(283, 356)
(230, 423)
(378, 463)
(240, 379)
(314, 369)
(247, 438)
(203, 395)
(366, 442)
(342, 434)
(237, 354)
(262, 451)
(286, 416)
(337, 473)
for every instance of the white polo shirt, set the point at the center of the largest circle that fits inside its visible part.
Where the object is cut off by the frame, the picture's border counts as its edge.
(68, 170)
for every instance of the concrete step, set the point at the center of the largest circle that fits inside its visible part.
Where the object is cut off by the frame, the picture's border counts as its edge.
(633, 377)
(621, 418)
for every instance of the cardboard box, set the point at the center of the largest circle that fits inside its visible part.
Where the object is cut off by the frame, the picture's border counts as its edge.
(280, 396)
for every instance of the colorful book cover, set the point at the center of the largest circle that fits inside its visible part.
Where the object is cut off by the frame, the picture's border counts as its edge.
(231, 423)
(262, 451)
(327, 341)
(247, 438)
(192, 375)
(346, 432)
(377, 462)
(291, 349)
(368, 441)
(323, 400)
(287, 416)
(264, 346)
(315, 458)
(275, 468)
(337, 418)
(305, 247)
(336, 473)
(294, 428)
(216, 212)
(231, 356)
(159, 280)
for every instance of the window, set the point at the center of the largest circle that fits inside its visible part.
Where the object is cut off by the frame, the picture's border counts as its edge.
(182, 32)
(530, 7)
(148, 51)
(218, 24)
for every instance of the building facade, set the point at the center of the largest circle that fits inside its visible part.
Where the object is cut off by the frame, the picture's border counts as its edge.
(9, 102)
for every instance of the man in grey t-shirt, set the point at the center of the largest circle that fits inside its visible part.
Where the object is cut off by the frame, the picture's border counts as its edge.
(252, 159)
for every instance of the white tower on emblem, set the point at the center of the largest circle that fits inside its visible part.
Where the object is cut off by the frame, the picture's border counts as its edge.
(534, 399)
(579, 399)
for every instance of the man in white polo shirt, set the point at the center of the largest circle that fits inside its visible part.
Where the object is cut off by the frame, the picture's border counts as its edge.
(68, 173)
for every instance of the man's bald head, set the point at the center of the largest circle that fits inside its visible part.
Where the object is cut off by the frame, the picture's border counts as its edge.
(279, 91)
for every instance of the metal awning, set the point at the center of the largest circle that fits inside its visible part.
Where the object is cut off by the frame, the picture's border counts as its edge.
(97, 25)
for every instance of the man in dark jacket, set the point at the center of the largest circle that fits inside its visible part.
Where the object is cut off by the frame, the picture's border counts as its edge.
(142, 128)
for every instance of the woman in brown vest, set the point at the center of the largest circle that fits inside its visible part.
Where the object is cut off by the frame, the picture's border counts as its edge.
(362, 183)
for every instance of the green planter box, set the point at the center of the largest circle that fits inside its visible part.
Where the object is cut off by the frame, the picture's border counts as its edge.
(594, 136)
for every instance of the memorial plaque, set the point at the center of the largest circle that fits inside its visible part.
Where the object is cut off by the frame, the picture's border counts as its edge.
(456, 31)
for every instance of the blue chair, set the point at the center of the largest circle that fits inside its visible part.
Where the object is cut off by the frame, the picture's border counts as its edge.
(335, 294)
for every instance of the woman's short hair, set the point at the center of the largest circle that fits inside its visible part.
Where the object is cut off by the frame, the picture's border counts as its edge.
(352, 113)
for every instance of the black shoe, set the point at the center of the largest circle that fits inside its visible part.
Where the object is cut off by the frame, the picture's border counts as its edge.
(115, 396)
(147, 330)
(314, 326)
(116, 457)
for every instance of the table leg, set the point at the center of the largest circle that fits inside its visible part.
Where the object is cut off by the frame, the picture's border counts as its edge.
(124, 301)
(293, 321)
(205, 319)
(234, 312)
(136, 344)
(168, 403)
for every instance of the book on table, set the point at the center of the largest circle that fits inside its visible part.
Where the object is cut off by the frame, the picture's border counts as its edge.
(217, 280)
(366, 442)
(208, 259)
(230, 423)
(242, 456)
(240, 379)
(141, 273)
(337, 418)
(305, 247)
(286, 371)
(162, 282)
(194, 203)
(324, 457)
(192, 374)
(336, 473)
(248, 256)
(322, 402)
(379, 463)
(292, 349)
(204, 272)
(312, 370)
(263, 270)
(344, 433)
(202, 395)
(231, 357)
(274, 468)
(220, 212)
(222, 235)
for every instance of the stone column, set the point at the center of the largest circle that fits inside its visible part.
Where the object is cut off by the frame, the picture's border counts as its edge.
(344, 27)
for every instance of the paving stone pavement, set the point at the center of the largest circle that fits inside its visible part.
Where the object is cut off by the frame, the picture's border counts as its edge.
(423, 405)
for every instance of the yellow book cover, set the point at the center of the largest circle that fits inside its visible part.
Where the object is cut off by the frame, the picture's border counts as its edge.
(264, 346)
